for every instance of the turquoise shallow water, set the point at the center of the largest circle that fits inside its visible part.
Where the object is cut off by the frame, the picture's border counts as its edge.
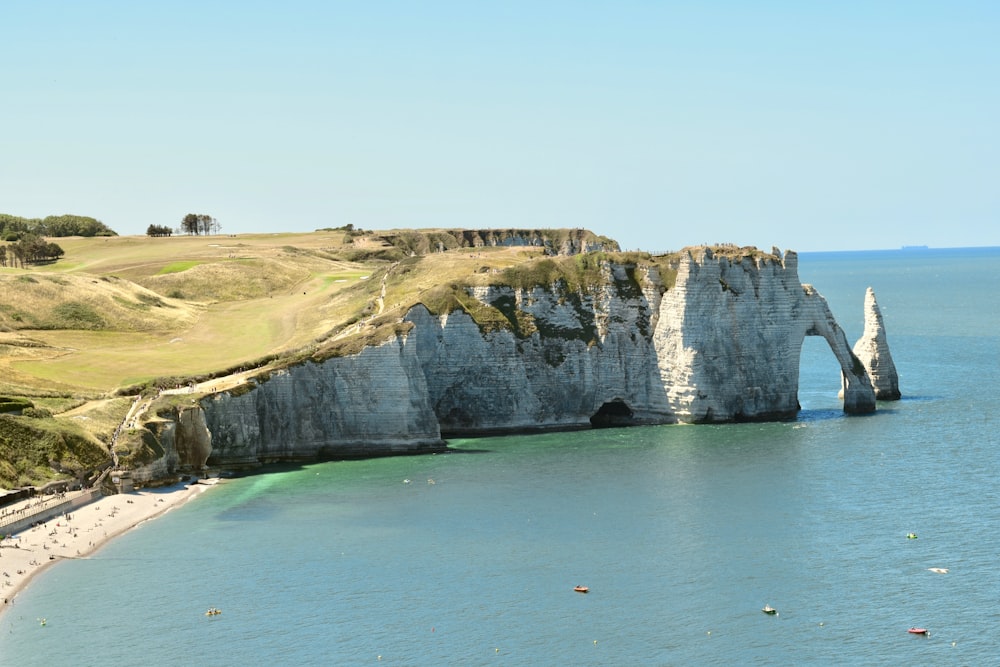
(682, 533)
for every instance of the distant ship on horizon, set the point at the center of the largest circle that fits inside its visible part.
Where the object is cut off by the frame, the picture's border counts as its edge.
(916, 247)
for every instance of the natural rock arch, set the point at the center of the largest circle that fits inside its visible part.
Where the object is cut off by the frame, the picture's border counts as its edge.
(858, 393)
(729, 339)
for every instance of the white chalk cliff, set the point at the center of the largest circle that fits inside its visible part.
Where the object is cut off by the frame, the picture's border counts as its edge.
(730, 336)
(721, 344)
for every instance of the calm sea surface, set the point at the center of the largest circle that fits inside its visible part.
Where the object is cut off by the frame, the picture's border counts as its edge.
(682, 533)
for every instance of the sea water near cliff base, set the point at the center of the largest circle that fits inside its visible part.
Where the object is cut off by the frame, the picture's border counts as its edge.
(682, 533)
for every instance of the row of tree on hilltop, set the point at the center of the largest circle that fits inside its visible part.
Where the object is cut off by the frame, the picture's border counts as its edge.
(29, 249)
(199, 223)
(192, 223)
(14, 227)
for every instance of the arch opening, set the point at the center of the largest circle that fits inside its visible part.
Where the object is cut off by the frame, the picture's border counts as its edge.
(819, 381)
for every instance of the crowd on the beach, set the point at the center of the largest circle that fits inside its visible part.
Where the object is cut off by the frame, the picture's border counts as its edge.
(78, 532)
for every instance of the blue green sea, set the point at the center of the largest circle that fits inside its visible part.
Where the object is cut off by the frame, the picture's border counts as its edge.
(681, 533)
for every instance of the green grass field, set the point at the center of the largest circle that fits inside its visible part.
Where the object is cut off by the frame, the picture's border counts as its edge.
(121, 311)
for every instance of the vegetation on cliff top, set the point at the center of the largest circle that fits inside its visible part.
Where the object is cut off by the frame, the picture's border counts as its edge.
(139, 314)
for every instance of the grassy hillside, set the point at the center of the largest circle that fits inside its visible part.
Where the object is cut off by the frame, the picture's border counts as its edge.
(34, 451)
(119, 313)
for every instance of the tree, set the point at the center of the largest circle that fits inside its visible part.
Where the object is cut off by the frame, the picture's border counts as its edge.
(158, 230)
(73, 225)
(53, 252)
(200, 223)
(190, 223)
(32, 248)
(16, 255)
(13, 227)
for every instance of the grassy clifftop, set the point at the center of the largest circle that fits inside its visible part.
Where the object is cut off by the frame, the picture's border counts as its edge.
(117, 314)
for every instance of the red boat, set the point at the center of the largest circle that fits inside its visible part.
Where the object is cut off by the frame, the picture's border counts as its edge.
(581, 589)
(919, 631)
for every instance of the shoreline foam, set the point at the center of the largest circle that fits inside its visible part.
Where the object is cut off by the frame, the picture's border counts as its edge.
(82, 532)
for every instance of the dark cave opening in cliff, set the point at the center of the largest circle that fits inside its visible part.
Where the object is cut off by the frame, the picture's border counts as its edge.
(613, 413)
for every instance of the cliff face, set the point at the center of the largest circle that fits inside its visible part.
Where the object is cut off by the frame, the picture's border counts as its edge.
(552, 241)
(562, 242)
(722, 344)
(730, 336)
(585, 352)
(184, 443)
(373, 403)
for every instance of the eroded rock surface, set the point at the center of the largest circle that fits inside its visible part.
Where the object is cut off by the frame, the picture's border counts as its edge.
(722, 343)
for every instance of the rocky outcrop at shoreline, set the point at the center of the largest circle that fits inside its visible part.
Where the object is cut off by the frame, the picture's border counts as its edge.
(873, 351)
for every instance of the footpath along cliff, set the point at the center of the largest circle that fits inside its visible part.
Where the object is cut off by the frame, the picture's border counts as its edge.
(717, 340)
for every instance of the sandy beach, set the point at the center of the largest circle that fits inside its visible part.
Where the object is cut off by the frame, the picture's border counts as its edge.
(82, 531)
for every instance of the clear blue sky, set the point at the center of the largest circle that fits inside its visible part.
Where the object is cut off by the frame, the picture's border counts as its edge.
(806, 125)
